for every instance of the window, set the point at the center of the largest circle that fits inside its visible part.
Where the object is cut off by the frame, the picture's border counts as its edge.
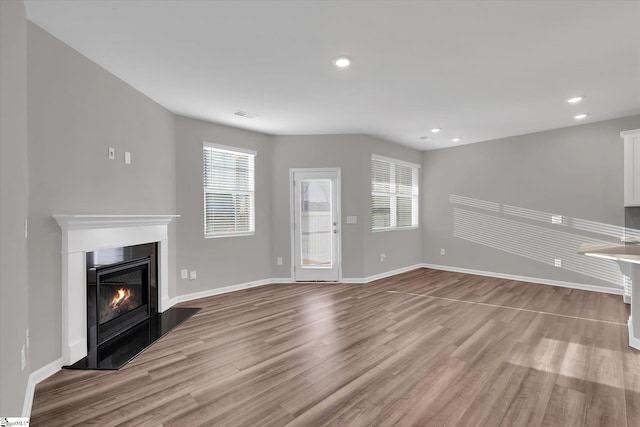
(229, 195)
(394, 194)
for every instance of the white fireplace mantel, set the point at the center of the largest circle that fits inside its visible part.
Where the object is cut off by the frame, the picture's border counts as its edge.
(88, 233)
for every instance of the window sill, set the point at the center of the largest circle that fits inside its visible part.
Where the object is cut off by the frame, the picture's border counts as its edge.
(382, 230)
(220, 235)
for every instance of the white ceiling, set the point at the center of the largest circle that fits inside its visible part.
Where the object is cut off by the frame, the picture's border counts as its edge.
(479, 70)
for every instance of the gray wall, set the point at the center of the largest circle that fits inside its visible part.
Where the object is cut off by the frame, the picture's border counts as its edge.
(361, 247)
(225, 261)
(14, 200)
(576, 172)
(76, 111)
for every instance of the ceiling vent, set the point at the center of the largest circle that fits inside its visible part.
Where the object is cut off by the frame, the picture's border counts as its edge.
(245, 114)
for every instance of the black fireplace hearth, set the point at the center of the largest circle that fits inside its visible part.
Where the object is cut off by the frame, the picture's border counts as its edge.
(122, 349)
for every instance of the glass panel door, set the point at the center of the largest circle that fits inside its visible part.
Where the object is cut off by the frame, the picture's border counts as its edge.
(315, 226)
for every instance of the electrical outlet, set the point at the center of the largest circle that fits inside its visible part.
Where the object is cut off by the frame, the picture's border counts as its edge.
(442, 252)
(556, 219)
(279, 260)
(23, 358)
(184, 274)
(557, 262)
(112, 153)
(27, 341)
(382, 257)
(193, 275)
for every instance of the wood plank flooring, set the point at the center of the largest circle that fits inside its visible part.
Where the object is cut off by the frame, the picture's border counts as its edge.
(425, 347)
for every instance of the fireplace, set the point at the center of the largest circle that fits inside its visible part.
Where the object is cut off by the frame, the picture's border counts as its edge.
(82, 234)
(118, 293)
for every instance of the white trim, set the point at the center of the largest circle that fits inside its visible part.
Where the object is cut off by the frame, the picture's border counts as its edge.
(571, 285)
(227, 289)
(88, 222)
(633, 341)
(230, 234)
(631, 168)
(392, 160)
(34, 379)
(382, 275)
(387, 229)
(281, 281)
(229, 148)
(629, 132)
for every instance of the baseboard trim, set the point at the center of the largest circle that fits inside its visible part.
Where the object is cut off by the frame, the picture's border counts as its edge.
(379, 276)
(226, 290)
(34, 378)
(571, 285)
(282, 280)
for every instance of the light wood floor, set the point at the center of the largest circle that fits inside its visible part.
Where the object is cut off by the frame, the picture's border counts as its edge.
(421, 348)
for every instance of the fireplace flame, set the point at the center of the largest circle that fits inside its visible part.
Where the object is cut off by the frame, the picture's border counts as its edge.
(120, 297)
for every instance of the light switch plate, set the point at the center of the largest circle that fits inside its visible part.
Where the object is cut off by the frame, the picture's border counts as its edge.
(127, 157)
(352, 220)
(184, 274)
(112, 153)
(193, 275)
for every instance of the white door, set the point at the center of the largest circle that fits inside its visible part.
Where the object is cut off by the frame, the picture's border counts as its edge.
(315, 225)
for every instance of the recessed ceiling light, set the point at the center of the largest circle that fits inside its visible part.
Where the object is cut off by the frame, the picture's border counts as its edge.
(574, 100)
(425, 138)
(456, 139)
(436, 130)
(580, 116)
(342, 61)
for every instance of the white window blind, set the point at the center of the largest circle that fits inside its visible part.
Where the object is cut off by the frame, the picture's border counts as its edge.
(394, 194)
(229, 195)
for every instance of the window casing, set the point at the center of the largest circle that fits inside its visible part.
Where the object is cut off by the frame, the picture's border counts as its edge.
(229, 191)
(394, 194)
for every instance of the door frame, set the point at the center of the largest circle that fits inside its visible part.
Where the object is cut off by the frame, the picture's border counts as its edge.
(292, 217)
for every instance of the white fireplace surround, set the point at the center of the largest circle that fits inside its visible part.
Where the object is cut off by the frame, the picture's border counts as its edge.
(88, 233)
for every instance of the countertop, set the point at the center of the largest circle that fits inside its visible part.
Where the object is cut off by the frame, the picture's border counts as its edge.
(617, 252)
